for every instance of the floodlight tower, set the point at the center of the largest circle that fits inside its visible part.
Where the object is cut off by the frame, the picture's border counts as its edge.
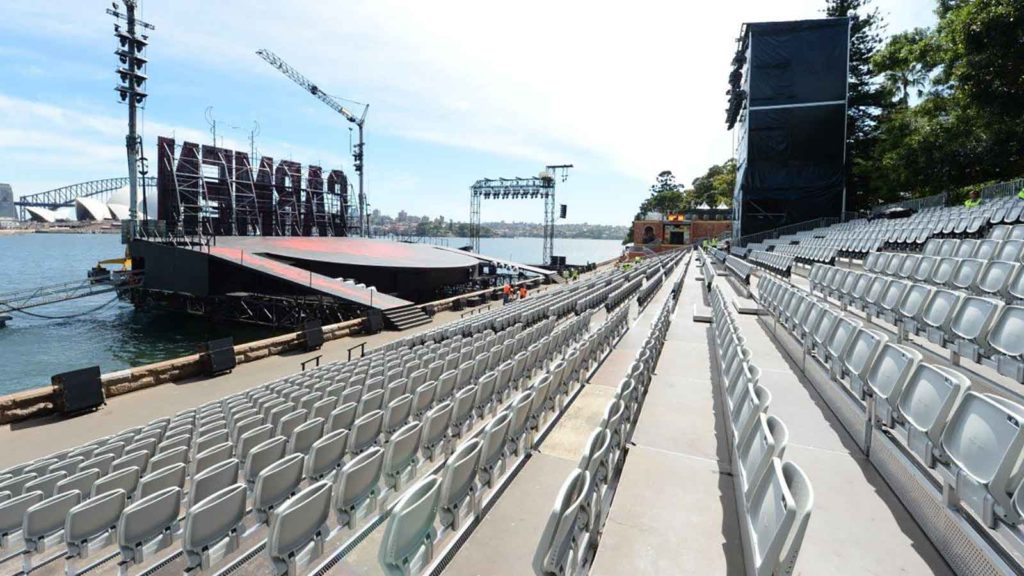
(357, 152)
(133, 63)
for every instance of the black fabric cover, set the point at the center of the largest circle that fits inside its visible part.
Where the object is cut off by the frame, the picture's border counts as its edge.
(798, 62)
(792, 157)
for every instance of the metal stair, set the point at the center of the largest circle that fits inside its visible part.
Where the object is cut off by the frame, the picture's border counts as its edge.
(405, 317)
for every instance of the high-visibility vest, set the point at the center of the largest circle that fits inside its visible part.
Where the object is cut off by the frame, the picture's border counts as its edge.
(971, 203)
(1021, 194)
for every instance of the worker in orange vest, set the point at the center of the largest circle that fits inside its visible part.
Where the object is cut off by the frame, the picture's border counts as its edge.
(522, 292)
(507, 290)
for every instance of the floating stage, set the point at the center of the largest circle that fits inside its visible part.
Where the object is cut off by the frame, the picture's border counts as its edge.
(286, 280)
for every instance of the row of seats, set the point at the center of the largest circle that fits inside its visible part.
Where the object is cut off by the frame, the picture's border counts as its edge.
(781, 264)
(148, 465)
(623, 293)
(774, 498)
(966, 248)
(436, 503)
(811, 251)
(740, 268)
(573, 529)
(995, 278)
(979, 328)
(707, 271)
(971, 440)
(650, 288)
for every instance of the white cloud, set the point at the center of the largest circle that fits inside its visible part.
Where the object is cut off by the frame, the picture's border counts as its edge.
(620, 89)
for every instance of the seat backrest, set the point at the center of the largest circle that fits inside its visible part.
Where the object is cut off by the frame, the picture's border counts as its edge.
(46, 484)
(213, 479)
(825, 326)
(326, 454)
(263, 456)
(944, 270)
(366, 431)
(842, 335)
(147, 519)
(561, 532)
(342, 417)
(47, 517)
(212, 519)
(411, 525)
(82, 481)
(892, 367)
(861, 353)
(402, 448)
(770, 516)
(94, 517)
(358, 479)
(973, 318)
(300, 520)
(938, 312)
(494, 436)
(168, 477)
(126, 479)
(462, 408)
(915, 298)
(984, 438)
(277, 482)
(928, 398)
(459, 476)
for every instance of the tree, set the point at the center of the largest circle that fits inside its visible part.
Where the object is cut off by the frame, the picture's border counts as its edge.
(865, 98)
(906, 64)
(666, 196)
(714, 187)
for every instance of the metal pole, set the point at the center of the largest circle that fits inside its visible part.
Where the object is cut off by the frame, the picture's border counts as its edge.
(364, 218)
(131, 140)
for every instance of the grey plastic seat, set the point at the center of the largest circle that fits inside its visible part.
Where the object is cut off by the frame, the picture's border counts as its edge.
(45, 519)
(986, 249)
(371, 402)
(995, 277)
(889, 373)
(397, 414)
(435, 430)
(82, 481)
(213, 480)
(139, 459)
(262, 456)
(939, 310)
(211, 439)
(410, 528)
(356, 484)
(366, 432)
(304, 435)
(839, 341)
(915, 300)
(445, 386)
(326, 455)
(46, 484)
(211, 521)
(276, 483)
(970, 325)
(153, 517)
(778, 513)
(943, 271)
(171, 476)
(423, 399)
(924, 405)
(966, 273)
(563, 538)
(754, 453)
(462, 409)
(127, 480)
(860, 357)
(299, 523)
(213, 455)
(984, 441)
(290, 422)
(492, 452)
(343, 417)
(753, 402)
(90, 523)
(458, 484)
(400, 454)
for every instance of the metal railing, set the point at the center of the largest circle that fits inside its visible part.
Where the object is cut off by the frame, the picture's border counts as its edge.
(784, 230)
(1009, 188)
(914, 203)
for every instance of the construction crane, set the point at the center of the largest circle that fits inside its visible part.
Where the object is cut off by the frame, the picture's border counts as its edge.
(357, 153)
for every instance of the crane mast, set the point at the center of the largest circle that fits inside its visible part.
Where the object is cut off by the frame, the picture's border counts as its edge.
(357, 153)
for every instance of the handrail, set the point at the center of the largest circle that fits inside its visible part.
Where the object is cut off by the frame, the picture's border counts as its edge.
(362, 350)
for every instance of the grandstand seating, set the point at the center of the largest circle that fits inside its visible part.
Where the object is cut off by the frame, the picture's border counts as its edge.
(263, 469)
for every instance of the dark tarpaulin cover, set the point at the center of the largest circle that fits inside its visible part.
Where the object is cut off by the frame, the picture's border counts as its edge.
(794, 169)
(798, 62)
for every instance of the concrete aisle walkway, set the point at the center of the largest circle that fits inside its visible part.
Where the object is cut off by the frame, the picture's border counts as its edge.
(505, 541)
(671, 513)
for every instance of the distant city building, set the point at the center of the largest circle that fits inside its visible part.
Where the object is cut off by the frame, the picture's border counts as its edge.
(6, 201)
(403, 216)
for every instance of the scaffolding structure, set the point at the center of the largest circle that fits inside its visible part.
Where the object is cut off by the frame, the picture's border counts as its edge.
(542, 186)
(206, 191)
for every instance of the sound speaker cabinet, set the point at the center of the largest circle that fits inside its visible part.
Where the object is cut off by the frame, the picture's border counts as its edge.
(79, 390)
(313, 334)
(220, 356)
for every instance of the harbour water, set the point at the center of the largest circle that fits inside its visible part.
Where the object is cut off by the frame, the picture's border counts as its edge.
(104, 331)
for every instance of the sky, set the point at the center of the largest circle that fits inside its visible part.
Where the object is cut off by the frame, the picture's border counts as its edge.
(458, 91)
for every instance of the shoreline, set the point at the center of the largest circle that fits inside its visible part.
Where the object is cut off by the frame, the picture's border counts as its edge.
(42, 401)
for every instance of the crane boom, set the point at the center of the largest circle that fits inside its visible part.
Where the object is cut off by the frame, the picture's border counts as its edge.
(297, 77)
(357, 153)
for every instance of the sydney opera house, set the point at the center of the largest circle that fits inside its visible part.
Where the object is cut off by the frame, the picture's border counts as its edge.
(86, 209)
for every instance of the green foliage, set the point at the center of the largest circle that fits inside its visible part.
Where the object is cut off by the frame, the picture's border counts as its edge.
(956, 102)
(866, 99)
(715, 186)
